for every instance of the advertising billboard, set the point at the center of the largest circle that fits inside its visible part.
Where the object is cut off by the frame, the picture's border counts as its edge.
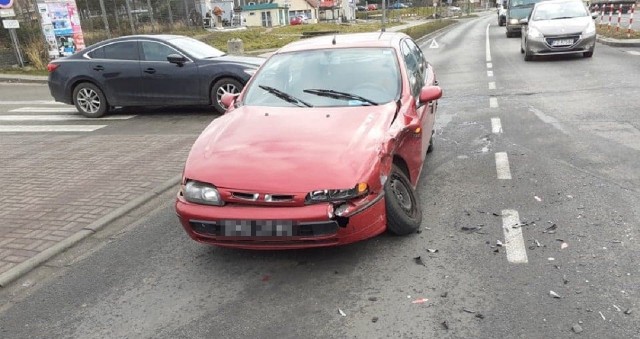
(61, 27)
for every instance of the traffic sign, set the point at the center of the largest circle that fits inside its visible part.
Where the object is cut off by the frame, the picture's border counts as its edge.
(10, 24)
(6, 13)
(6, 3)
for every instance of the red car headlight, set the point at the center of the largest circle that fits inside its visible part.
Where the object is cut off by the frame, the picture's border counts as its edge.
(201, 193)
(334, 195)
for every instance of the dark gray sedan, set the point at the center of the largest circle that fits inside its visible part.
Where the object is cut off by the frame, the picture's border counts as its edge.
(148, 70)
(558, 27)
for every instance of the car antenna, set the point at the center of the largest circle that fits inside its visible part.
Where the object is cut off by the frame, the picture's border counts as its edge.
(381, 32)
(333, 42)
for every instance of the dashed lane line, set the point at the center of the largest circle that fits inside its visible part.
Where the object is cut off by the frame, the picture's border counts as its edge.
(489, 73)
(513, 239)
(496, 126)
(487, 45)
(502, 166)
(493, 102)
(492, 85)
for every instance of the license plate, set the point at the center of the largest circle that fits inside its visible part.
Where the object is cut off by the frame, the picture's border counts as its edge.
(562, 42)
(258, 228)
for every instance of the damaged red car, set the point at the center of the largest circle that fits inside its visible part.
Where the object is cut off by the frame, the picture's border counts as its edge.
(323, 147)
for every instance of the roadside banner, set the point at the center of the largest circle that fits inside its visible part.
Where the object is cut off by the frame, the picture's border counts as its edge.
(61, 27)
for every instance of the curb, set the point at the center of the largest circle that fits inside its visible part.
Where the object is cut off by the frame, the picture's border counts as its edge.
(18, 79)
(28, 265)
(618, 42)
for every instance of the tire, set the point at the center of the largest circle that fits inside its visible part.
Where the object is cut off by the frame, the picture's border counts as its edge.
(430, 148)
(588, 54)
(89, 100)
(222, 86)
(521, 50)
(404, 215)
(527, 55)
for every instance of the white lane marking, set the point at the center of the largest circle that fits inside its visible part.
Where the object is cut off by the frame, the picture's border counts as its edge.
(489, 73)
(493, 102)
(60, 117)
(487, 45)
(489, 65)
(434, 44)
(502, 166)
(492, 85)
(49, 128)
(513, 239)
(29, 102)
(496, 126)
(548, 119)
(45, 109)
(633, 52)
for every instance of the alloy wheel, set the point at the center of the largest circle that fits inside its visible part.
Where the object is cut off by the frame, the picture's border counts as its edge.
(88, 100)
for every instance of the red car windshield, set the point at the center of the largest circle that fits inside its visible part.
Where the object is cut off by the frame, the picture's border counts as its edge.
(326, 78)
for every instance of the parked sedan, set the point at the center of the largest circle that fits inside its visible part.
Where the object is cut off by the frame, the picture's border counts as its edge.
(323, 147)
(558, 27)
(148, 70)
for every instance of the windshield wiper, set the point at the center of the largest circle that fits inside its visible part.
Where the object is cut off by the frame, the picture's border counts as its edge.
(338, 95)
(562, 17)
(284, 96)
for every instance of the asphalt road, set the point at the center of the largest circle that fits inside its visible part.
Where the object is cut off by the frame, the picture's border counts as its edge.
(569, 140)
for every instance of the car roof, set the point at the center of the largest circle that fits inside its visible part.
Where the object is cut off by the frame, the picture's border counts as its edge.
(369, 39)
(556, 2)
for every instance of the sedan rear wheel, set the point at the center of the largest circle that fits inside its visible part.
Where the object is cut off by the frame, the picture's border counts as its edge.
(403, 211)
(220, 88)
(89, 100)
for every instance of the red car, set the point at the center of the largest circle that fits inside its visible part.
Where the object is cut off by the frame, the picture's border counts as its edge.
(323, 147)
(296, 20)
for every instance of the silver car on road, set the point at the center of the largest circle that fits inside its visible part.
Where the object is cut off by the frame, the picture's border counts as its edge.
(558, 27)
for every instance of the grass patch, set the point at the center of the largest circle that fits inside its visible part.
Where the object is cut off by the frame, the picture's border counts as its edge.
(426, 28)
(611, 33)
(24, 71)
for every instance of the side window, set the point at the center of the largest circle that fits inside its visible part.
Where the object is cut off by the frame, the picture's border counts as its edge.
(97, 53)
(154, 51)
(413, 68)
(127, 50)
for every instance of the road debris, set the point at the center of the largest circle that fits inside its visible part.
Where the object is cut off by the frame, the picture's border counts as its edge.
(479, 316)
(551, 229)
(551, 259)
(430, 250)
(564, 279)
(419, 261)
(342, 313)
(537, 243)
(555, 295)
(499, 243)
(468, 310)
(420, 301)
(374, 319)
(497, 250)
(445, 325)
(470, 229)
(373, 299)
(576, 328)
(602, 315)
(444, 294)
(617, 308)
(564, 245)
(537, 198)
(628, 311)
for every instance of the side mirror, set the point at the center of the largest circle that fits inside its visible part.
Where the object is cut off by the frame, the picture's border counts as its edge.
(594, 15)
(228, 99)
(176, 59)
(430, 93)
(524, 21)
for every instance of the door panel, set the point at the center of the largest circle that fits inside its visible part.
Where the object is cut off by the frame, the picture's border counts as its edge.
(116, 67)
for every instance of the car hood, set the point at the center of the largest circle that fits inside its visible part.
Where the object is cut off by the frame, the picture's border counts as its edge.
(562, 26)
(290, 150)
(249, 61)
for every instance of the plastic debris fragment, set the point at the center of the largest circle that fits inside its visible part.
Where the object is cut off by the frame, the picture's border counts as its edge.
(430, 250)
(564, 245)
(576, 328)
(602, 315)
(420, 301)
(554, 294)
(342, 313)
(537, 198)
(419, 261)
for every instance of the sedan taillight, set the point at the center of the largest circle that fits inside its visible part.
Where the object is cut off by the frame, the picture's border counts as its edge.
(52, 67)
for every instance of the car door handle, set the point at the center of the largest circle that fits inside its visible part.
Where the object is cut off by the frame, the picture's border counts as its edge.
(150, 70)
(98, 68)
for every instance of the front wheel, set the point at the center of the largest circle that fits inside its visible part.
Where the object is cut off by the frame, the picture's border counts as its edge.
(220, 88)
(404, 215)
(89, 100)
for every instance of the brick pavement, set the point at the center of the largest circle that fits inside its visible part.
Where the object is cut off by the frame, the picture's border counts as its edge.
(54, 185)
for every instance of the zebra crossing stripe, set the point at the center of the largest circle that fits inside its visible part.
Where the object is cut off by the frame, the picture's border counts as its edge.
(61, 117)
(45, 109)
(48, 128)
